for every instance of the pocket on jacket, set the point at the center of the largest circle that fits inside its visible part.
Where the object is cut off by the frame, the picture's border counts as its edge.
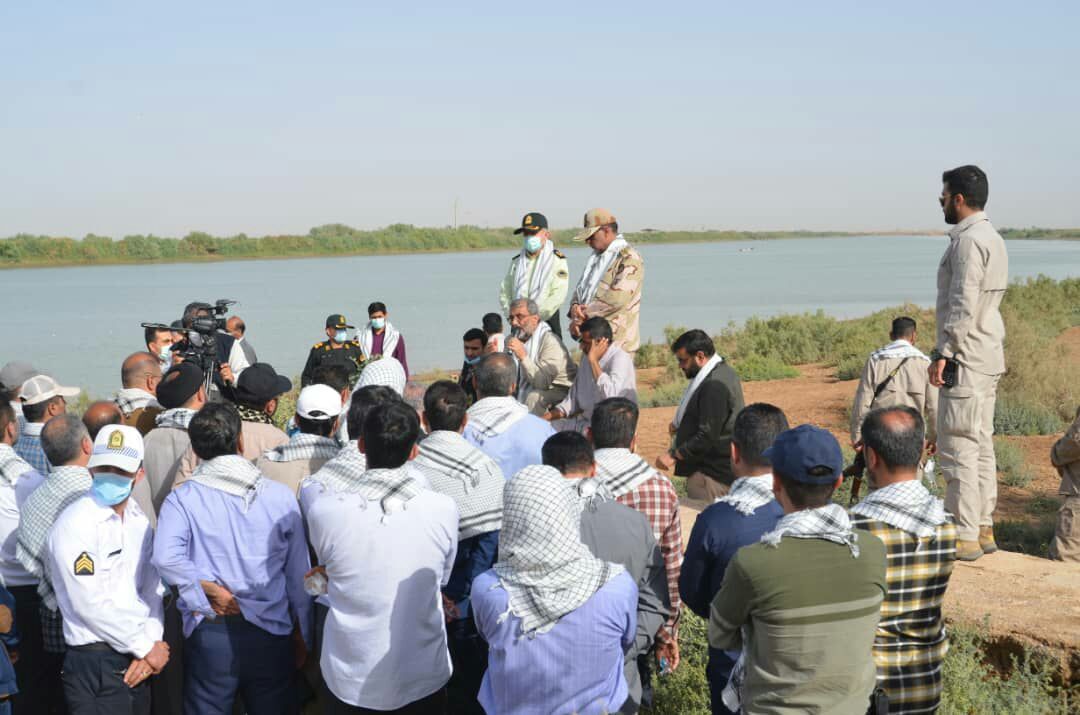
(958, 411)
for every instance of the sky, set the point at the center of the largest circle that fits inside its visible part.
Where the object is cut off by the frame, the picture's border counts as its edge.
(267, 118)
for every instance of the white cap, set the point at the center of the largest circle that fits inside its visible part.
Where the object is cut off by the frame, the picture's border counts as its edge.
(42, 387)
(118, 446)
(318, 402)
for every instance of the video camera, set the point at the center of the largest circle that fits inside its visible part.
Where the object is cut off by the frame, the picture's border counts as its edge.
(202, 322)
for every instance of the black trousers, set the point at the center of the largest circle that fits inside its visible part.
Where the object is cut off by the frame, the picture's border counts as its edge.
(167, 687)
(469, 655)
(434, 704)
(93, 680)
(37, 671)
(553, 323)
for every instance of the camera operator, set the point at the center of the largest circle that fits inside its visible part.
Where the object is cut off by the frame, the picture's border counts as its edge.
(230, 359)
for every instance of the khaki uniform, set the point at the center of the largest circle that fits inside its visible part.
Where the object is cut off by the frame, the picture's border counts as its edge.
(909, 387)
(549, 377)
(972, 279)
(619, 299)
(1065, 455)
(258, 439)
(143, 419)
(553, 295)
(290, 473)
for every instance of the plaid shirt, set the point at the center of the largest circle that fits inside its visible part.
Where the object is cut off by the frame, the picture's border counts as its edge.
(28, 446)
(911, 643)
(657, 500)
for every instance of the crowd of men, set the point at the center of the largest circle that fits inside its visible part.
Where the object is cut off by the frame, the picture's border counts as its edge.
(496, 544)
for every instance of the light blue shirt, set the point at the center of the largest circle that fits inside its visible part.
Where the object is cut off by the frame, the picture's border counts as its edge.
(576, 667)
(28, 446)
(517, 447)
(260, 554)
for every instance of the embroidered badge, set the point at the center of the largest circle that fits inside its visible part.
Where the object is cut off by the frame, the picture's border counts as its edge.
(116, 440)
(84, 565)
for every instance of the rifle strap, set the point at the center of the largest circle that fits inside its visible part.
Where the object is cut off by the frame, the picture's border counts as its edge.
(885, 383)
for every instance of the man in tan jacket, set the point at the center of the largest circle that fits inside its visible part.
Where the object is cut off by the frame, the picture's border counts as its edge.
(545, 369)
(610, 286)
(972, 279)
(318, 409)
(1065, 455)
(896, 376)
(140, 375)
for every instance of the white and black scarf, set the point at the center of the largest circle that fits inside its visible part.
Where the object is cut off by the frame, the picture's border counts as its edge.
(471, 478)
(748, 494)
(231, 474)
(545, 568)
(389, 343)
(545, 260)
(304, 447)
(595, 268)
(829, 522)
(907, 506)
(532, 348)
(492, 416)
(898, 349)
(175, 418)
(344, 470)
(130, 399)
(621, 470)
(703, 373)
(12, 466)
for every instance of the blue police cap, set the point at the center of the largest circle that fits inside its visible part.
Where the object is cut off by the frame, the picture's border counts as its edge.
(795, 452)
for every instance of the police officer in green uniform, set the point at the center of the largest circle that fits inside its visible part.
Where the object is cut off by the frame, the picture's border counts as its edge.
(336, 350)
(538, 272)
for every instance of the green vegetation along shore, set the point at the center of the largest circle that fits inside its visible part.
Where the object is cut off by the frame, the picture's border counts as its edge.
(27, 251)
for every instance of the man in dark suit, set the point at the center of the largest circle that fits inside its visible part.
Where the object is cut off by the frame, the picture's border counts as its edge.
(701, 448)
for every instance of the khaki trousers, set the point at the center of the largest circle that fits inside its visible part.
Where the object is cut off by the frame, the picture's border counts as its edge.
(701, 486)
(965, 433)
(1066, 543)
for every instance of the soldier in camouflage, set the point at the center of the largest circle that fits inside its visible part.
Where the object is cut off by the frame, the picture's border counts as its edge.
(610, 286)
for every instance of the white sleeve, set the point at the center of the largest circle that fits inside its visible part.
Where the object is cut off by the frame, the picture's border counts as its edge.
(151, 589)
(237, 360)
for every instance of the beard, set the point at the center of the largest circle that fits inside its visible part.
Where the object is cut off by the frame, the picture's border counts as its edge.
(692, 371)
(950, 214)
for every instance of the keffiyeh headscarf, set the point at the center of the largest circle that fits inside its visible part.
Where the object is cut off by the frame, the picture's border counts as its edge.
(344, 471)
(366, 339)
(541, 274)
(176, 418)
(12, 466)
(908, 506)
(532, 350)
(898, 349)
(231, 474)
(595, 268)
(385, 371)
(492, 416)
(471, 478)
(829, 522)
(253, 414)
(748, 494)
(130, 399)
(303, 447)
(543, 565)
(621, 470)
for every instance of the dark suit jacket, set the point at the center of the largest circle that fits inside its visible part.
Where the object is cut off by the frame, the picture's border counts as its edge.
(704, 436)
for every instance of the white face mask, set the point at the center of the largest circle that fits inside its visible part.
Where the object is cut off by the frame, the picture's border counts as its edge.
(533, 243)
(341, 336)
(165, 358)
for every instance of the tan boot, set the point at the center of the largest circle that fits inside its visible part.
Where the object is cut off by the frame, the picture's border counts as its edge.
(986, 540)
(968, 550)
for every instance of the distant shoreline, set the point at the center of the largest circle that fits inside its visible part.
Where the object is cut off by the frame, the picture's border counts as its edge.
(26, 251)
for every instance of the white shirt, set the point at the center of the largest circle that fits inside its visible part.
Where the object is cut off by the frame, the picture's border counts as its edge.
(13, 573)
(115, 597)
(384, 644)
(238, 361)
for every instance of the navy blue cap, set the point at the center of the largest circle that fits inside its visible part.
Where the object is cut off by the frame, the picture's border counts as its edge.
(795, 452)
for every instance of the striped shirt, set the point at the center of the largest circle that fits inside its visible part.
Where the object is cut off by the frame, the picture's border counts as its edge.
(28, 446)
(910, 644)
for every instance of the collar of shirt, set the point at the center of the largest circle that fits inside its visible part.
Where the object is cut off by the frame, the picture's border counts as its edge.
(33, 429)
(967, 223)
(16, 405)
(106, 512)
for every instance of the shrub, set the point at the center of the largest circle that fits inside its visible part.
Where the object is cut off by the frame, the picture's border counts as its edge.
(761, 367)
(686, 691)
(665, 394)
(1017, 416)
(1024, 537)
(1010, 464)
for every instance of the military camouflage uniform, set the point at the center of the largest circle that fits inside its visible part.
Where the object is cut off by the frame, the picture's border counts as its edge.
(350, 355)
(619, 299)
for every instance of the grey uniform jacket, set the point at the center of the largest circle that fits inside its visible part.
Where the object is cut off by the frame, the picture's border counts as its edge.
(164, 448)
(971, 282)
(909, 387)
(616, 533)
(550, 376)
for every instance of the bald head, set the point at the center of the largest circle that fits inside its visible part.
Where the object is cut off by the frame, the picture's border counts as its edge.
(235, 327)
(893, 441)
(495, 375)
(99, 414)
(141, 370)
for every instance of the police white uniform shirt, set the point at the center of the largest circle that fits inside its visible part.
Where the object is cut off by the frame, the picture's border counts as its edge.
(12, 499)
(107, 588)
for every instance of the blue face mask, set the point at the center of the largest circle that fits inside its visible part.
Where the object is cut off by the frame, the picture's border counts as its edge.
(341, 336)
(473, 360)
(111, 489)
(378, 323)
(532, 244)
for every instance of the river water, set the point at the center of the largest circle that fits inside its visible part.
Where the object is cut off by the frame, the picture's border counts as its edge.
(80, 322)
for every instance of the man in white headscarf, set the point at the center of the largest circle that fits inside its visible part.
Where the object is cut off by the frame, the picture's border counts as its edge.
(380, 338)
(545, 369)
(557, 619)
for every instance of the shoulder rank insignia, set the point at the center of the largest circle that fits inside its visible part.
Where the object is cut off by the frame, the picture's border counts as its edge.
(559, 253)
(84, 565)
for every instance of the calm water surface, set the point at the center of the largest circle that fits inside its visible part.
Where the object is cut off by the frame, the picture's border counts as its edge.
(80, 322)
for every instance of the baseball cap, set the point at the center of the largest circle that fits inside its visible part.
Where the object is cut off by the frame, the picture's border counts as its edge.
(532, 222)
(318, 402)
(337, 321)
(179, 384)
(42, 387)
(259, 383)
(118, 446)
(15, 373)
(594, 219)
(795, 452)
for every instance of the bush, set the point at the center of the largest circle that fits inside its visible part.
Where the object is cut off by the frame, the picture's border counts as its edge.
(1013, 416)
(1026, 538)
(686, 691)
(665, 394)
(760, 367)
(1011, 464)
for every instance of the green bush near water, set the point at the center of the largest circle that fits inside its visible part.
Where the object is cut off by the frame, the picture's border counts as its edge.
(1011, 464)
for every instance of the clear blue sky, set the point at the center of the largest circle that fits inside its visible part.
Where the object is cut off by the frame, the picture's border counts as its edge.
(263, 117)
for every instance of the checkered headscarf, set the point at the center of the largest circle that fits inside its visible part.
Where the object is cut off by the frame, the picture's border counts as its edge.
(621, 470)
(829, 522)
(471, 478)
(304, 446)
(385, 371)
(175, 418)
(342, 472)
(12, 466)
(492, 416)
(231, 474)
(908, 506)
(545, 568)
(748, 494)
